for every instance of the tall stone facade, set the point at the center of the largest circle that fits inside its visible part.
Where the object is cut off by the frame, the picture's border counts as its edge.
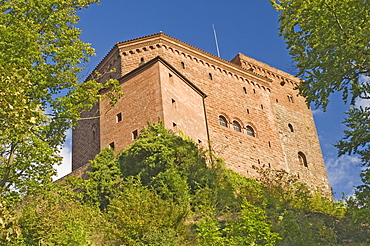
(247, 111)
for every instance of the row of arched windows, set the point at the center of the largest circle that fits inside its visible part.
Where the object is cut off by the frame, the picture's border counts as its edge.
(237, 126)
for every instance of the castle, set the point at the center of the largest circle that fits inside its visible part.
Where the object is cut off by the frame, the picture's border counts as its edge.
(247, 112)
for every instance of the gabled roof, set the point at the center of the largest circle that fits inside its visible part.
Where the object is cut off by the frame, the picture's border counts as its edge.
(168, 65)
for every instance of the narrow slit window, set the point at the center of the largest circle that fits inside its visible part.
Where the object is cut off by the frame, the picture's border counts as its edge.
(290, 98)
(210, 76)
(291, 127)
(182, 65)
(134, 135)
(119, 117)
(245, 90)
(302, 159)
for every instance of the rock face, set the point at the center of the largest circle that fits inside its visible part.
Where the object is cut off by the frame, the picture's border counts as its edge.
(246, 111)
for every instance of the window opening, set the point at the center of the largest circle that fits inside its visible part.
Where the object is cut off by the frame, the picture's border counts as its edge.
(111, 145)
(210, 76)
(250, 131)
(247, 111)
(142, 60)
(134, 135)
(302, 159)
(245, 90)
(237, 126)
(254, 91)
(223, 121)
(94, 134)
(290, 98)
(291, 127)
(182, 65)
(119, 117)
(174, 125)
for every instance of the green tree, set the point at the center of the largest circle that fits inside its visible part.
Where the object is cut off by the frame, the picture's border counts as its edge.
(104, 180)
(57, 217)
(329, 42)
(166, 162)
(359, 210)
(9, 226)
(139, 216)
(40, 95)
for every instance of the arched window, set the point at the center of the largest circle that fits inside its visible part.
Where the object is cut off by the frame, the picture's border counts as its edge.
(250, 131)
(302, 159)
(223, 121)
(291, 127)
(237, 126)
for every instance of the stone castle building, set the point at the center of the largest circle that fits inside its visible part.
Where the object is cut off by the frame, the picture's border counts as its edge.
(246, 110)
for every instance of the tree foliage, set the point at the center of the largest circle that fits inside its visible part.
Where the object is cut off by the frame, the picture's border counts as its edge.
(329, 42)
(184, 199)
(40, 94)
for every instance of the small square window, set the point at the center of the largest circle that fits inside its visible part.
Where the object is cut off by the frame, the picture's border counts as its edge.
(134, 135)
(119, 117)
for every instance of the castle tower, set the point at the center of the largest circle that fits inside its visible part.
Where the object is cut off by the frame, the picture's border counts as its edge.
(247, 110)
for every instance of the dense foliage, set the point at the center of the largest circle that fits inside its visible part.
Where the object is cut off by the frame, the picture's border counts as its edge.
(164, 190)
(40, 94)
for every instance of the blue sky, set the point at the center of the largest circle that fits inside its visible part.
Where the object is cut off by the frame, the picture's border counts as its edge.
(243, 26)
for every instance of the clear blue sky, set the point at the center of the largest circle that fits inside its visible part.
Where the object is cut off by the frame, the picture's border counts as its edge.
(243, 26)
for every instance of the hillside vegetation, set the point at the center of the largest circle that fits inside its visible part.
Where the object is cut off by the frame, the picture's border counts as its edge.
(164, 190)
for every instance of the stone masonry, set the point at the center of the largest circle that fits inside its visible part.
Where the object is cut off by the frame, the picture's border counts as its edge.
(247, 111)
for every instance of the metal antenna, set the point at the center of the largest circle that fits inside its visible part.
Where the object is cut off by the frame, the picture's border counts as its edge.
(214, 32)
